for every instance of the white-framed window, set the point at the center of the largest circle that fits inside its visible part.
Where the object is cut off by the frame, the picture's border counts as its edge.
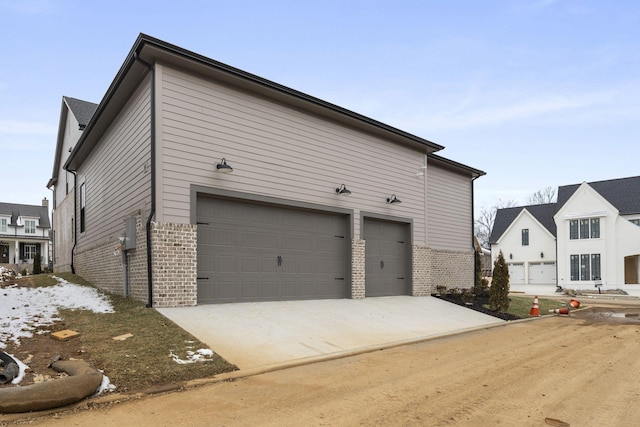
(635, 221)
(525, 237)
(29, 226)
(3, 225)
(29, 251)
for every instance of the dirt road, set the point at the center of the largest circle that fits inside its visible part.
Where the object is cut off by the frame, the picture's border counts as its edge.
(583, 370)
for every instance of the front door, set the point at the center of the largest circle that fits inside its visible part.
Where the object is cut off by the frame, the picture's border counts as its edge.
(4, 253)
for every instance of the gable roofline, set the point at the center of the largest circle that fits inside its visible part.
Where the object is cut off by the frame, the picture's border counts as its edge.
(621, 193)
(82, 111)
(525, 211)
(152, 50)
(543, 214)
(458, 167)
(16, 210)
(587, 213)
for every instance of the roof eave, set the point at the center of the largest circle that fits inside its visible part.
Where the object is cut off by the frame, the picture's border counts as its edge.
(151, 49)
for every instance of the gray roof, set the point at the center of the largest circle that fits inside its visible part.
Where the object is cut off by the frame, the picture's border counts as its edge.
(622, 193)
(82, 110)
(16, 210)
(504, 217)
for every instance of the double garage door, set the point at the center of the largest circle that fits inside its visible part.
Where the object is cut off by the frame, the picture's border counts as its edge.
(261, 252)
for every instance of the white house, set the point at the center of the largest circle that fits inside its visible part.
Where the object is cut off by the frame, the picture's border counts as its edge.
(24, 232)
(590, 236)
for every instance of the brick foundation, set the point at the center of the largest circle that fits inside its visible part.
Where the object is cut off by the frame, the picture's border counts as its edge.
(421, 271)
(451, 269)
(175, 267)
(357, 268)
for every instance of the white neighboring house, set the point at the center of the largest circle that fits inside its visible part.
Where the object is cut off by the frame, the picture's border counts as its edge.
(590, 236)
(24, 231)
(527, 237)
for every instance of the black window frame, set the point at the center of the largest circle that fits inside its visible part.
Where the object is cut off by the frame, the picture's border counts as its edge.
(525, 237)
(82, 207)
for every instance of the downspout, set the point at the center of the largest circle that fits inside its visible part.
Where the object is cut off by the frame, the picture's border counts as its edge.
(152, 212)
(75, 222)
(473, 231)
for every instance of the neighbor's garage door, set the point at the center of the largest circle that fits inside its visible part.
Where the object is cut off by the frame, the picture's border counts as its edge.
(387, 260)
(543, 273)
(516, 274)
(258, 252)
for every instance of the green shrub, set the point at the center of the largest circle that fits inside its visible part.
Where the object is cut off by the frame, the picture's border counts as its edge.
(37, 264)
(499, 291)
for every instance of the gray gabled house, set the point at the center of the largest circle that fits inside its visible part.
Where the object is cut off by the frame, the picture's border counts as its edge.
(196, 182)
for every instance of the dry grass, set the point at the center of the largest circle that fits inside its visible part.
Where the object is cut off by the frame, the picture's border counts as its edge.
(141, 361)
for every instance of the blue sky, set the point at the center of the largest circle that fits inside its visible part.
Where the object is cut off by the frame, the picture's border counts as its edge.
(536, 93)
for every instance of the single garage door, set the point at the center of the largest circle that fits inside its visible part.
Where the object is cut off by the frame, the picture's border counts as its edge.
(260, 252)
(387, 246)
(542, 273)
(516, 274)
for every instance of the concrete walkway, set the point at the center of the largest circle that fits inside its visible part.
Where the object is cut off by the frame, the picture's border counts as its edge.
(268, 334)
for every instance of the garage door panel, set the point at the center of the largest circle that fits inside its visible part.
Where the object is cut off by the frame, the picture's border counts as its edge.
(245, 241)
(387, 258)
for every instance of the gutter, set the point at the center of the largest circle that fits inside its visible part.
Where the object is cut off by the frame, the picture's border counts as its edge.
(75, 220)
(152, 212)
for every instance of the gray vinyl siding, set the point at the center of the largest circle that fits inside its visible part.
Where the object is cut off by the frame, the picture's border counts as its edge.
(449, 209)
(276, 151)
(116, 174)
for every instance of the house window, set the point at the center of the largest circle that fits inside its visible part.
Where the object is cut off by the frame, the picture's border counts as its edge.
(635, 221)
(29, 226)
(595, 228)
(585, 267)
(525, 237)
(82, 205)
(29, 251)
(3, 225)
(586, 228)
(575, 268)
(573, 229)
(595, 267)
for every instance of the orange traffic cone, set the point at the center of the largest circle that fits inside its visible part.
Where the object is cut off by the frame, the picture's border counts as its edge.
(562, 311)
(535, 310)
(574, 303)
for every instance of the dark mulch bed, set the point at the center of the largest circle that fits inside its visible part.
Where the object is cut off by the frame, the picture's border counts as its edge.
(477, 305)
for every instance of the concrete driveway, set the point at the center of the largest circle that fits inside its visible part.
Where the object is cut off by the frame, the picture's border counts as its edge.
(266, 335)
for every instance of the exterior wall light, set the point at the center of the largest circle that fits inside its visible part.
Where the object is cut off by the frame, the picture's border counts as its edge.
(223, 167)
(393, 199)
(342, 190)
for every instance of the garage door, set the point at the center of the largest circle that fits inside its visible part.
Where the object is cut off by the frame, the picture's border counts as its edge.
(258, 252)
(516, 274)
(542, 273)
(387, 246)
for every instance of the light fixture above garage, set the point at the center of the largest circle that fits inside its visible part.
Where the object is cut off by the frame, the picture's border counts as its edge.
(393, 199)
(223, 167)
(342, 190)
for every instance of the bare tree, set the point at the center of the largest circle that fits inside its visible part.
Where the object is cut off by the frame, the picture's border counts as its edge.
(541, 197)
(484, 222)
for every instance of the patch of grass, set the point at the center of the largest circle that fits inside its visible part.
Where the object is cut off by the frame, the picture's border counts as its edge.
(137, 363)
(143, 360)
(521, 305)
(37, 280)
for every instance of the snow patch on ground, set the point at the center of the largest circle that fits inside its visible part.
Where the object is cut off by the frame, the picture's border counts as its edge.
(23, 310)
(201, 355)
